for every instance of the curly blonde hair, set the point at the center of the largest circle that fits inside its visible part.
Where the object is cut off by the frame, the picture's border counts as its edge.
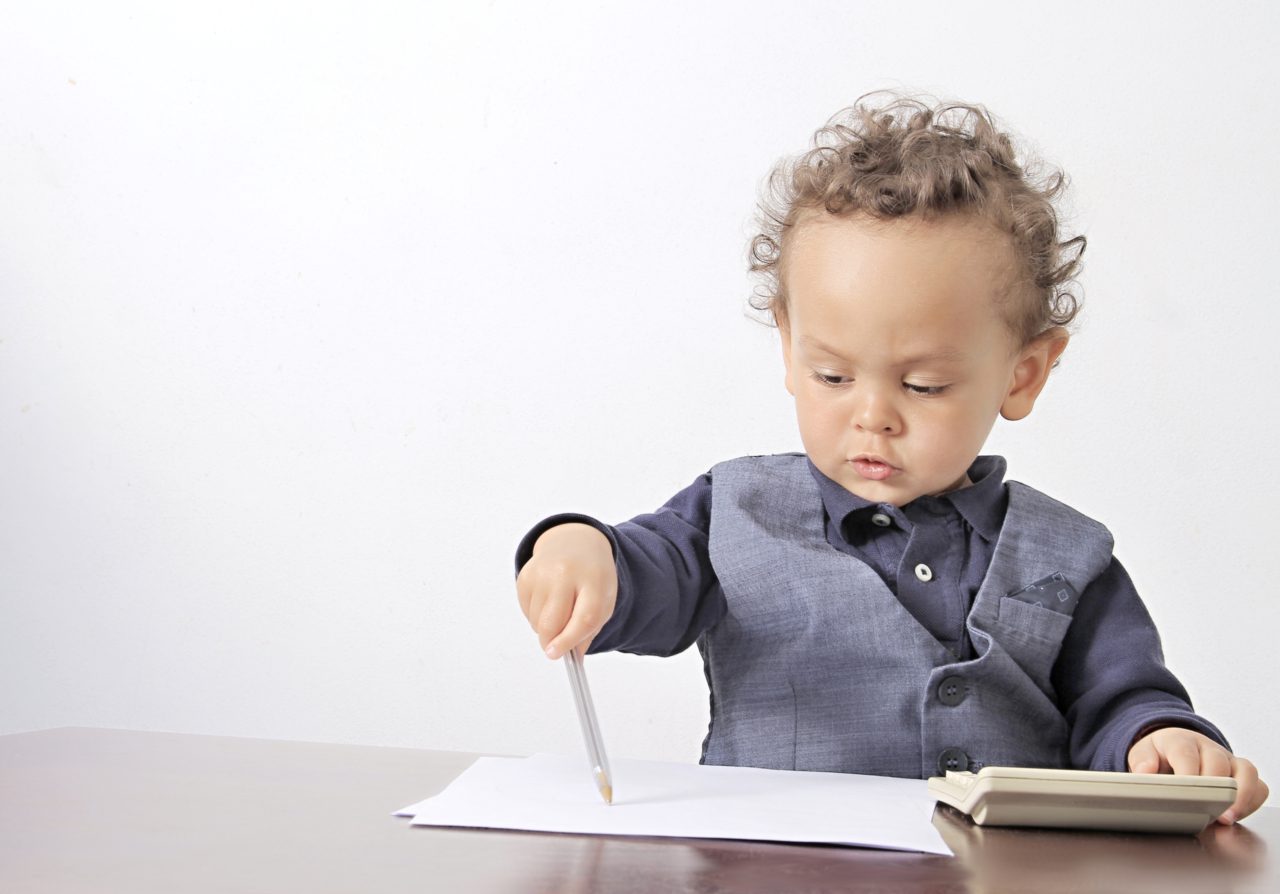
(891, 156)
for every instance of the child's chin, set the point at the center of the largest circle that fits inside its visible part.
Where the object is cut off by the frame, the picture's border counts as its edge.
(879, 491)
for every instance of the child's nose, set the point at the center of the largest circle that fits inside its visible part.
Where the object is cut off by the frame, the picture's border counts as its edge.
(877, 414)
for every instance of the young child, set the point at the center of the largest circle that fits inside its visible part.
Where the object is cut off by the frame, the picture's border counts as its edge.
(886, 602)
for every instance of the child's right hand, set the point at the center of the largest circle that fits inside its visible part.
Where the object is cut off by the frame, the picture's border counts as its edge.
(569, 587)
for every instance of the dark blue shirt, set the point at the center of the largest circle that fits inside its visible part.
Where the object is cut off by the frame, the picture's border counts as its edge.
(1110, 678)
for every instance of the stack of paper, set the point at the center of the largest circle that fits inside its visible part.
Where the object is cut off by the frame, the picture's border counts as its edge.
(555, 793)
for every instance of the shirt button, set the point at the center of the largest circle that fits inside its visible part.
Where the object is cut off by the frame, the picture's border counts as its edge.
(952, 759)
(881, 520)
(924, 572)
(952, 691)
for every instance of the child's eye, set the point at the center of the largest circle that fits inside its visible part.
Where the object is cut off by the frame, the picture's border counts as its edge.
(927, 390)
(830, 380)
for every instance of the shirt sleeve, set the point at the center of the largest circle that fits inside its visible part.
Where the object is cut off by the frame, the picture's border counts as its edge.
(667, 590)
(1111, 680)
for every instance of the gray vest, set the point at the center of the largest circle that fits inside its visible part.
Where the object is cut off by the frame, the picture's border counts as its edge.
(818, 666)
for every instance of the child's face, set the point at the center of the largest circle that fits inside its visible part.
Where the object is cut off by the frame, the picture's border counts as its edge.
(897, 352)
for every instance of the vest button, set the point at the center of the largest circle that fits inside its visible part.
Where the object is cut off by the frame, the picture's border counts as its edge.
(952, 759)
(881, 520)
(952, 691)
(924, 572)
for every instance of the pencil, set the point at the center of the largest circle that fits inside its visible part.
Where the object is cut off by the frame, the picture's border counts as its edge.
(590, 727)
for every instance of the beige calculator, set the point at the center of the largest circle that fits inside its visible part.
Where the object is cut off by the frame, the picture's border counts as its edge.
(1085, 799)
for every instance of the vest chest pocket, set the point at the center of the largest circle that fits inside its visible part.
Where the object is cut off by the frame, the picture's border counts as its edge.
(1032, 622)
(1032, 637)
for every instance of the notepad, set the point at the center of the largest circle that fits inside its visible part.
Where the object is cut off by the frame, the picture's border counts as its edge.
(554, 793)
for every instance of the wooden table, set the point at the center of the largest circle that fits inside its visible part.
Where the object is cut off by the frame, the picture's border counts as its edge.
(109, 810)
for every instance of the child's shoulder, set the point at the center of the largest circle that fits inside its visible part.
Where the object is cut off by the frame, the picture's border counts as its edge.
(1033, 509)
(773, 491)
(763, 470)
(775, 461)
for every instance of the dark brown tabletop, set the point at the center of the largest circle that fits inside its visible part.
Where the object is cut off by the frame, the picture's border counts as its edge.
(111, 810)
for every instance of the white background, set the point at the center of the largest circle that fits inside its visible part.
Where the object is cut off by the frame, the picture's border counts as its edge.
(308, 312)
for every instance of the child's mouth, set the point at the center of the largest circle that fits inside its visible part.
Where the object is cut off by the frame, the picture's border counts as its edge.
(873, 469)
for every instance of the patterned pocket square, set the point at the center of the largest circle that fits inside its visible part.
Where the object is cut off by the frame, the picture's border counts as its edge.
(1053, 592)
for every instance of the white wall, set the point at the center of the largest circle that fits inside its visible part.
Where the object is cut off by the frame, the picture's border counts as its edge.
(306, 315)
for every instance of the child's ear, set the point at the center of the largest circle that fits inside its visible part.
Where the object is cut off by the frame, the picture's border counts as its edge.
(1032, 371)
(784, 333)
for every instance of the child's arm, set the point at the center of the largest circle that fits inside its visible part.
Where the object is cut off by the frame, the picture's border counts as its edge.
(645, 586)
(1111, 680)
(1126, 710)
(1175, 750)
(569, 587)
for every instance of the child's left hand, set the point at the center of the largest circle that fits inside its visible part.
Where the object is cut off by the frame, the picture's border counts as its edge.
(1176, 750)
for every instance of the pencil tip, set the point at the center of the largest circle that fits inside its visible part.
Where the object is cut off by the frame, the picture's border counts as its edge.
(607, 791)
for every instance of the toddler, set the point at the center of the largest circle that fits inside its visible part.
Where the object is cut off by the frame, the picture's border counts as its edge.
(886, 602)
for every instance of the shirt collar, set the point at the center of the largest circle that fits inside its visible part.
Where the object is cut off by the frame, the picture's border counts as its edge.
(981, 504)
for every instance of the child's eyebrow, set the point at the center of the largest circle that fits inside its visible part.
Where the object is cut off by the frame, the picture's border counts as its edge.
(809, 341)
(943, 355)
(946, 355)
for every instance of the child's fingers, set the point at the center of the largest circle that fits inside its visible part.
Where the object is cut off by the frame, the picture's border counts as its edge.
(1215, 760)
(554, 610)
(1143, 757)
(537, 592)
(1190, 753)
(534, 587)
(546, 592)
(1181, 755)
(568, 560)
(583, 624)
(1251, 791)
(1176, 750)
(524, 590)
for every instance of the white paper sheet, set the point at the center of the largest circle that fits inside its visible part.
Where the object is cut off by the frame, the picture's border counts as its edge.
(555, 793)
